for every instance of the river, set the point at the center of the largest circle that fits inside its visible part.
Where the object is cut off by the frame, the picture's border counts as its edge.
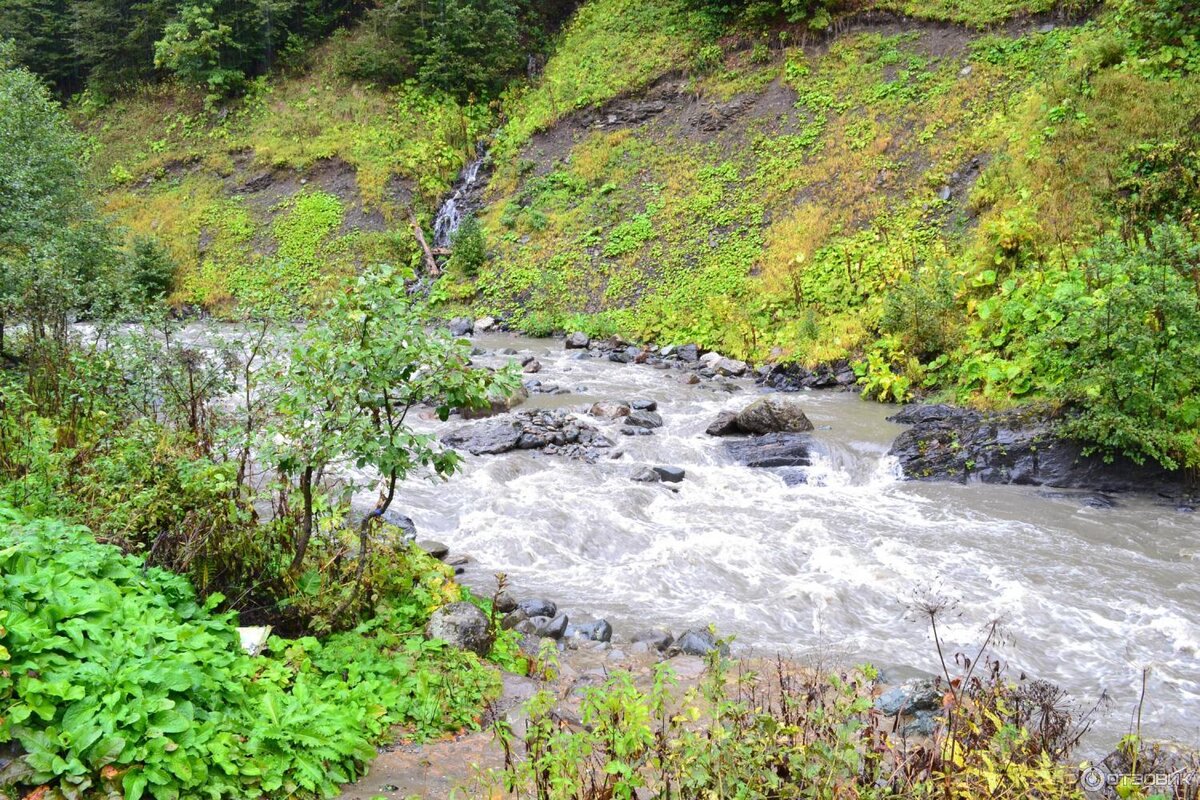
(1088, 596)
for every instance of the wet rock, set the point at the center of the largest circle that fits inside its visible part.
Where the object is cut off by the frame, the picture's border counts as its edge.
(923, 723)
(554, 432)
(729, 367)
(772, 450)
(435, 549)
(544, 627)
(577, 341)
(533, 366)
(457, 561)
(509, 351)
(607, 410)
(691, 379)
(644, 419)
(504, 602)
(670, 474)
(688, 352)
(582, 355)
(910, 697)
(487, 438)
(775, 413)
(497, 405)
(598, 631)
(631, 431)
(647, 475)
(725, 424)
(537, 607)
(401, 522)
(484, 324)
(461, 326)
(642, 404)
(698, 642)
(461, 625)
(657, 638)
(513, 618)
(1015, 447)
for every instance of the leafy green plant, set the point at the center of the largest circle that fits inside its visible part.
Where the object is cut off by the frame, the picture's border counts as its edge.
(118, 680)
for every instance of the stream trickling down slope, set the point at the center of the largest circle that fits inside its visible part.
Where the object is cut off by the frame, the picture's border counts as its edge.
(1089, 596)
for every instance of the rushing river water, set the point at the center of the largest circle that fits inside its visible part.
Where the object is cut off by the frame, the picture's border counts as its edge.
(1088, 596)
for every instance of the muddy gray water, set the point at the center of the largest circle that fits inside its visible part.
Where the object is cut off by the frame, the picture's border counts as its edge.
(1089, 597)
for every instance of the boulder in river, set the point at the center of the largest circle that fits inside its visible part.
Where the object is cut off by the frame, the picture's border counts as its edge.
(532, 366)
(643, 404)
(729, 367)
(644, 419)
(688, 352)
(1021, 447)
(609, 410)
(670, 474)
(775, 413)
(461, 326)
(553, 432)
(724, 425)
(461, 625)
(772, 450)
(497, 405)
(647, 475)
(577, 341)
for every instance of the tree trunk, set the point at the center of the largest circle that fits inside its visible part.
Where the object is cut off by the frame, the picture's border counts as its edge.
(307, 526)
(430, 262)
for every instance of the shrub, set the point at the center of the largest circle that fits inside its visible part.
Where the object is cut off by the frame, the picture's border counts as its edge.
(469, 252)
(1129, 340)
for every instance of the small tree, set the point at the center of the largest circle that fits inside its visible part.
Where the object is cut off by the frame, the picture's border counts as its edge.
(470, 248)
(347, 390)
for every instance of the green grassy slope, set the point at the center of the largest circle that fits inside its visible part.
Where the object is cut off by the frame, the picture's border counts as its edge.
(291, 189)
(880, 191)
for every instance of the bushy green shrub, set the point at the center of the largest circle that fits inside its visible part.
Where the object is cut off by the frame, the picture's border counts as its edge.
(117, 680)
(469, 252)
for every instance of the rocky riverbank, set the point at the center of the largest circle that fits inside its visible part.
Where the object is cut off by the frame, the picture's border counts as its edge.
(947, 443)
(944, 443)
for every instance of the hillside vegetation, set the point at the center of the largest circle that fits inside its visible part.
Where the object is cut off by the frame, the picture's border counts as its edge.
(943, 194)
(969, 205)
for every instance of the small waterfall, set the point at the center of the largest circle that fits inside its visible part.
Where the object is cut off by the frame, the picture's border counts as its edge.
(450, 215)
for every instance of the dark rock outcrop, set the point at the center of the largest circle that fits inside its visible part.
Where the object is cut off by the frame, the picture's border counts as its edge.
(644, 419)
(724, 425)
(552, 432)
(1021, 447)
(670, 474)
(772, 450)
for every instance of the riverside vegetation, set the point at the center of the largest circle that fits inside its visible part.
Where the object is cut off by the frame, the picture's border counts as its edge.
(993, 201)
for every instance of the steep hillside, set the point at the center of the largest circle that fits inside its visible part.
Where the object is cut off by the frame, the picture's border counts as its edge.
(287, 191)
(956, 197)
(964, 204)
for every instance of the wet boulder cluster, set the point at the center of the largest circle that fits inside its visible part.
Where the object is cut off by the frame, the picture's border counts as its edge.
(554, 432)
